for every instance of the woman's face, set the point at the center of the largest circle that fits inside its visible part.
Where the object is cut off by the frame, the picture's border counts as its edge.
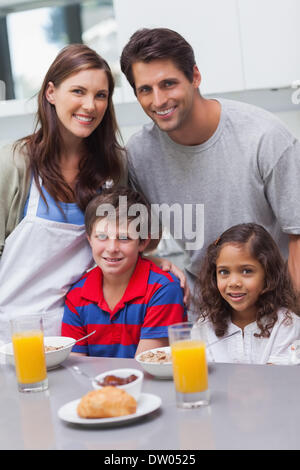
(80, 102)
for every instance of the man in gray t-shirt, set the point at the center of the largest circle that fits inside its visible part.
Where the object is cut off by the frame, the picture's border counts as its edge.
(231, 162)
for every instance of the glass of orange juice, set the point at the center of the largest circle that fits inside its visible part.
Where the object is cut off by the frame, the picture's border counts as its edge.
(29, 353)
(189, 365)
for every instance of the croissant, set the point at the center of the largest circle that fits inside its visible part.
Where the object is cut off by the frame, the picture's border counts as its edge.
(108, 402)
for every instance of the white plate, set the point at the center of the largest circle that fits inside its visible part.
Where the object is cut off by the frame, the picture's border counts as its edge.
(146, 404)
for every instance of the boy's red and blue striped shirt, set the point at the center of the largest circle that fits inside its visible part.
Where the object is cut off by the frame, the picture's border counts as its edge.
(153, 300)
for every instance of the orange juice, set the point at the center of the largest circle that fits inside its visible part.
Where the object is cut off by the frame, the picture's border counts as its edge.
(29, 356)
(189, 366)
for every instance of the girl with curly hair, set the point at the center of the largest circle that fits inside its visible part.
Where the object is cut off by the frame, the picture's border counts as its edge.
(247, 303)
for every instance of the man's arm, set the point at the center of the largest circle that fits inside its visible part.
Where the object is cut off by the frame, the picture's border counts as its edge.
(294, 260)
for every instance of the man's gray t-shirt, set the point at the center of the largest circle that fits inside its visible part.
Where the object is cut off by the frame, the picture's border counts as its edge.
(248, 171)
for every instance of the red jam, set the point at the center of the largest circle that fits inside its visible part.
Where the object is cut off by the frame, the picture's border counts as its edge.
(112, 380)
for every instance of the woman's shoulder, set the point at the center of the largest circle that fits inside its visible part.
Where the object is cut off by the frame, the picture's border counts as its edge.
(13, 157)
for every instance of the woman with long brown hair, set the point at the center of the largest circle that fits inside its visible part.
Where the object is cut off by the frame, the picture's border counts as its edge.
(46, 182)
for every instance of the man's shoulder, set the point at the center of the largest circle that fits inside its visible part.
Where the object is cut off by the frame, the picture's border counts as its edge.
(247, 109)
(252, 116)
(146, 133)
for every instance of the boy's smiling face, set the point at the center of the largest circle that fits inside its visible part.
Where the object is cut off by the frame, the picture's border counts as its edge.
(115, 249)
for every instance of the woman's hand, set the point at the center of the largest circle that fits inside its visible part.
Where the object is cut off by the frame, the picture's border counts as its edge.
(167, 265)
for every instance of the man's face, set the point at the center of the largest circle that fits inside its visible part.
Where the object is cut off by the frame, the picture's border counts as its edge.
(165, 94)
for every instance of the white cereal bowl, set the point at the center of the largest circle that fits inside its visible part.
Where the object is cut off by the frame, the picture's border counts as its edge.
(133, 388)
(161, 370)
(53, 358)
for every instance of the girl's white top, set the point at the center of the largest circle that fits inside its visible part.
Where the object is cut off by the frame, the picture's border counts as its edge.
(244, 347)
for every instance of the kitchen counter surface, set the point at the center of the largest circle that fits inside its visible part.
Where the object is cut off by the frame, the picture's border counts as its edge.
(252, 407)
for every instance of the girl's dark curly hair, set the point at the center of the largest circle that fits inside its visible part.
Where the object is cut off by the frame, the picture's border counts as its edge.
(278, 291)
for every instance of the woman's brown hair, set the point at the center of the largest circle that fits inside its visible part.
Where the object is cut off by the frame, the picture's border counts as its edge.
(278, 291)
(101, 160)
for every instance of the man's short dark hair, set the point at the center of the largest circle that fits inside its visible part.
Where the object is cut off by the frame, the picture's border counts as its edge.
(146, 45)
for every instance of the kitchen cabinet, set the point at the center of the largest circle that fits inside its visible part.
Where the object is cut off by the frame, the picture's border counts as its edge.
(270, 40)
(239, 44)
(211, 27)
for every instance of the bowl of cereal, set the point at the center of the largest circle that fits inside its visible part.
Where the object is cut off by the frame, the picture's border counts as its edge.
(57, 350)
(157, 362)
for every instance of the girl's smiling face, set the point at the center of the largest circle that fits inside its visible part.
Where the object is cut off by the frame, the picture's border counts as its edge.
(240, 280)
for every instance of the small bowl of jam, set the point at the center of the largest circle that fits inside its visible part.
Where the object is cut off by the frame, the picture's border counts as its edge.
(130, 380)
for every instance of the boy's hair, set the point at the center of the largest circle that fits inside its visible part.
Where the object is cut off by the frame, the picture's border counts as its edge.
(278, 291)
(146, 45)
(97, 210)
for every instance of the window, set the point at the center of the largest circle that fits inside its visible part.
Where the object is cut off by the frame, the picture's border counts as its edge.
(30, 39)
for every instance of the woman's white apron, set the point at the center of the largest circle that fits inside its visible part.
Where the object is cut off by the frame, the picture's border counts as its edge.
(40, 261)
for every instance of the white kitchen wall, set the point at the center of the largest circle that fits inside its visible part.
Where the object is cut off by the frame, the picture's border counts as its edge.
(270, 39)
(246, 50)
(15, 124)
(238, 44)
(211, 27)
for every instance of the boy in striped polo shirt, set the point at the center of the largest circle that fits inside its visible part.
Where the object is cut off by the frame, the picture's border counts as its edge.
(127, 299)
